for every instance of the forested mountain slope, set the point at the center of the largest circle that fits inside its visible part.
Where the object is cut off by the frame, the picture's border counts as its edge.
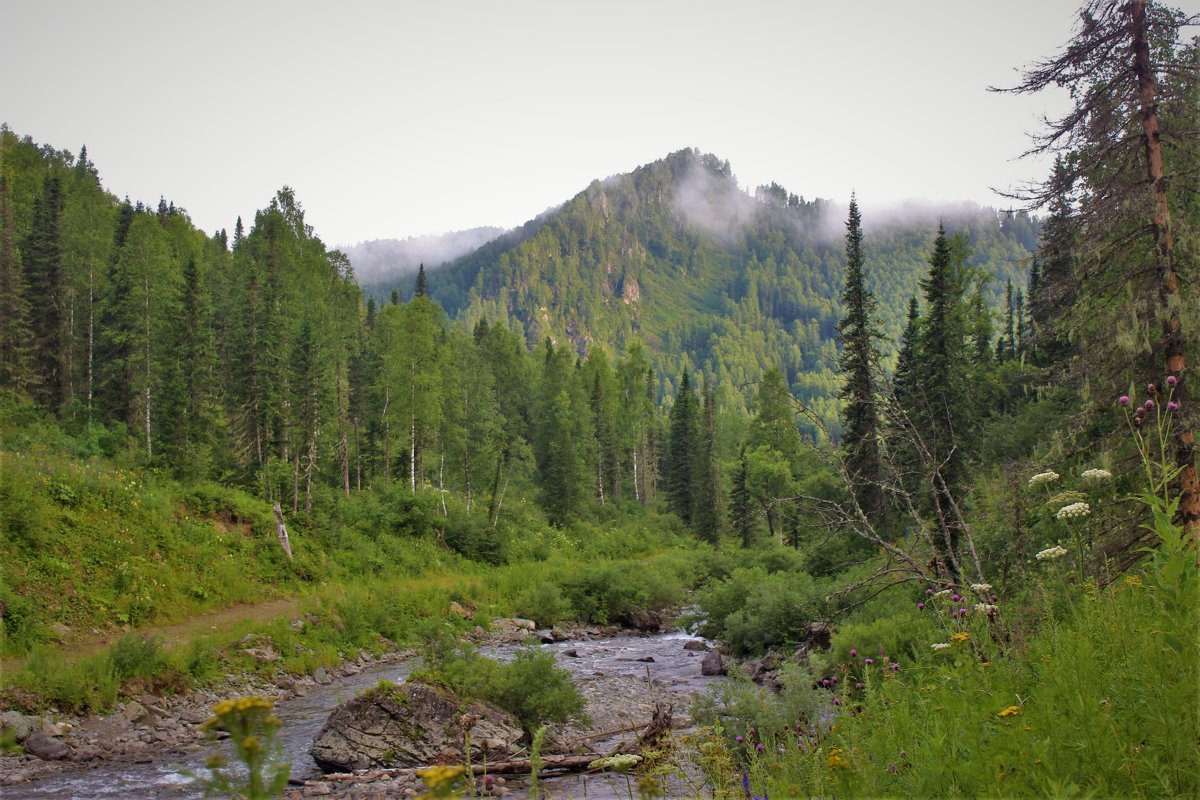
(676, 254)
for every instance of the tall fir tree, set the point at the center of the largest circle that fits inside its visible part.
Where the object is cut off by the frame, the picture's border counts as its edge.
(15, 338)
(682, 451)
(42, 266)
(707, 490)
(860, 356)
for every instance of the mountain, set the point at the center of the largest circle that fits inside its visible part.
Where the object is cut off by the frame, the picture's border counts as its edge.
(395, 261)
(710, 276)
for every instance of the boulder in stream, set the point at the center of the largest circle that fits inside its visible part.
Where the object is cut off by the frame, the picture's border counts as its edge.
(712, 664)
(411, 725)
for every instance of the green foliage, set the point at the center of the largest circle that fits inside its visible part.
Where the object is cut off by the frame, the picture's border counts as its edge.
(531, 686)
(753, 609)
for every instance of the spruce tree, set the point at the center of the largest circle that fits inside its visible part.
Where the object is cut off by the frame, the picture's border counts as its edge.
(740, 503)
(707, 490)
(41, 261)
(1010, 326)
(682, 451)
(422, 287)
(15, 337)
(860, 411)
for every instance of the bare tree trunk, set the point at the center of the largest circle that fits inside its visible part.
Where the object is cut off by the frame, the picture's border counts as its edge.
(282, 533)
(311, 461)
(296, 485)
(637, 489)
(357, 457)
(387, 430)
(149, 449)
(91, 336)
(1168, 277)
(442, 480)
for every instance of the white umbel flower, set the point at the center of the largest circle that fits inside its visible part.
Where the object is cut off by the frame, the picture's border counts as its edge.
(986, 608)
(940, 645)
(1051, 553)
(1049, 476)
(1073, 510)
(1096, 475)
(980, 587)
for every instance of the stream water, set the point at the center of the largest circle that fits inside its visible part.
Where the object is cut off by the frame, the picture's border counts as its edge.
(165, 776)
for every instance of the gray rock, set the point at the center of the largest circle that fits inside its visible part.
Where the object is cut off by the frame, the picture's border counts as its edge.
(135, 712)
(572, 653)
(20, 724)
(695, 644)
(322, 677)
(644, 620)
(712, 664)
(411, 725)
(559, 634)
(46, 747)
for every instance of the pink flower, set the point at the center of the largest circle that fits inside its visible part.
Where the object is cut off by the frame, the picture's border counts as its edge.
(1172, 406)
(1149, 404)
(1172, 381)
(1123, 399)
(920, 606)
(868, 660)
(853, 652)
(837, 701)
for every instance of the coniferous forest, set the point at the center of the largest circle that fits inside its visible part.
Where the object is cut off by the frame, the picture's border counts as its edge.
(934, 476)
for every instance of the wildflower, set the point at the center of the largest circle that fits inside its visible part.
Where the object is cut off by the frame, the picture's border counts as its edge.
(1066, 498)
(942, 593)
(1097, 475)
(833, 679)
(836, 760)
(1151, 388)
(986, 608)
(853, 652)
(738, 739)
(1172, 406)
(962, 612)
(759, 747)
(825, 681)
(980, 587)
(929, 591)
(956, 597)
(441, 775)
(920, 606)
(1171, 381)
(894, 667)
(1051, 553)
(960, 637)
(1148, 405)
(993, 599)
(1073, 510)
(1011, 711)
(1049, 476)
(837, 701)
(858, 686)
(868, 660)
(1123, 399)
(940, 645)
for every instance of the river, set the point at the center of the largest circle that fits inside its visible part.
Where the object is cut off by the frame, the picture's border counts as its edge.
(674, 672)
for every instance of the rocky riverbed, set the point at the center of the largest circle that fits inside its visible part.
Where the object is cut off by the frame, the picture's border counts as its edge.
(145, 748)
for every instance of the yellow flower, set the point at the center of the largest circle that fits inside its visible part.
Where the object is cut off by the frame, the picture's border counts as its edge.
(1011, 711)
(441, 775)
(836, 760)
(960, 637)
(251, 744)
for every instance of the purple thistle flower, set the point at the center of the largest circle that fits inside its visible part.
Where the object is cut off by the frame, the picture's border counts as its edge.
(881, 651)
(1172, 406)
(738, 739)
(833, 679)
(1172, 381)
(1149, 404)
(853, 652)
(956, 597)
(895, 667)
(858, 686)
(962, 612)
(994, 599)
(759, 747)
(868, 660)
(920, 606)
(824, 681)
(837, 701)
(1123, 399)
(1151, 388)
(929, 591)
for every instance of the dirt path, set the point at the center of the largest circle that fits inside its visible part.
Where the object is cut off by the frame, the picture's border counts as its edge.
(175, 633)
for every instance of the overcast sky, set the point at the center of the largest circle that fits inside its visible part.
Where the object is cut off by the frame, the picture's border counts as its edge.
(393, 119)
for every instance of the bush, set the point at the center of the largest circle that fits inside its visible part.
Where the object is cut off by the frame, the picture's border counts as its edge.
(544, 604)
(753, 610)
